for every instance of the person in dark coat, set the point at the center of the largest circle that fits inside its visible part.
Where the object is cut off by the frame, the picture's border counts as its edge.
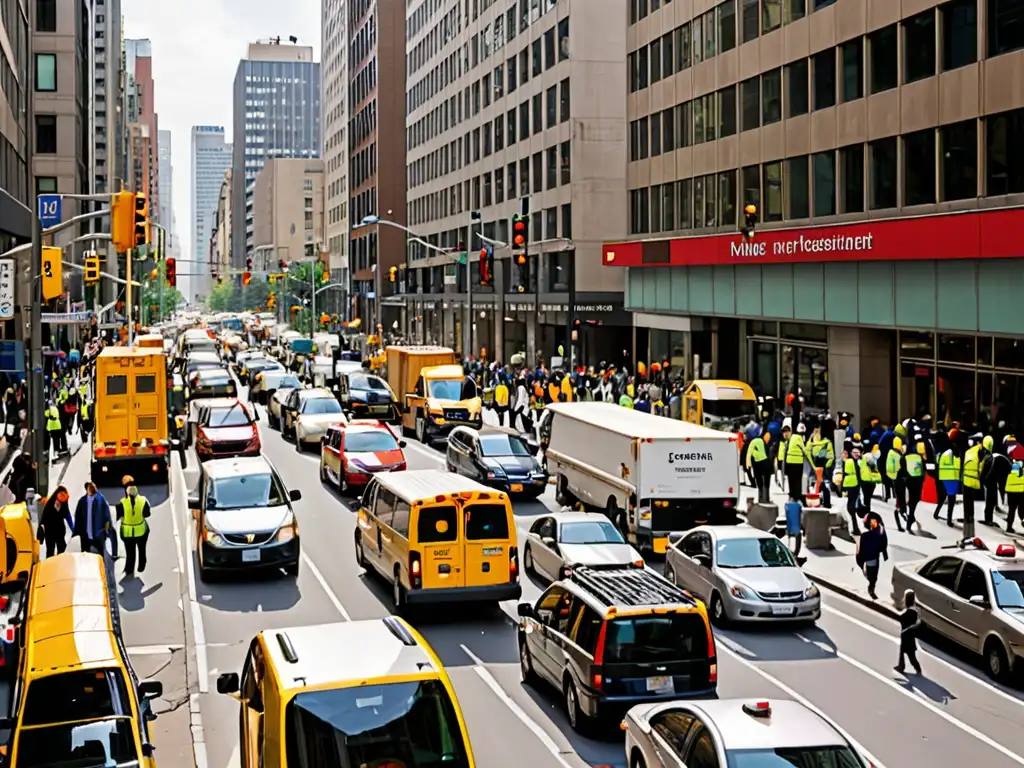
(22, 476)
(93, 524)
(910, 626)
(872, 548)
(55, 521)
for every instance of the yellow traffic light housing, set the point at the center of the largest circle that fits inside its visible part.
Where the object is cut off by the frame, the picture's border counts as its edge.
(141, 221)
(92, 270)
(393, 274)
(122, 221)
(750, 221)
(53, 272)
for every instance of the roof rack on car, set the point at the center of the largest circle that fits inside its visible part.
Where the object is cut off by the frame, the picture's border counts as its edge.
(629, 586)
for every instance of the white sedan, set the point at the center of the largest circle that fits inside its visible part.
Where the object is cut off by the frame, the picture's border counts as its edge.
(559, 541)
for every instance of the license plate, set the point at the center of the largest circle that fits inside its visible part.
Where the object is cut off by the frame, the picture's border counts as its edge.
(250, 555)
(783, 610)
(491, 551)
(660, 546)
(663, 684)
(378, 408)
(517, 487)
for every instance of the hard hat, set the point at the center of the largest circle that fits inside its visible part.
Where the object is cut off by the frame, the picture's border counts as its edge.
(900, 430)
(641, 369)
(921, 449)
(856, 437)
(787, 423)
(127, 480)
(897, 444)
(987, 442)
(801, 428)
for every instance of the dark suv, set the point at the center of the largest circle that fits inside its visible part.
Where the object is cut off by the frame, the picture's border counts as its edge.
(611, 638)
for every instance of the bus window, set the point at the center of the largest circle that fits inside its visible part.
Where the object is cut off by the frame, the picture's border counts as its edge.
(145, 385)
(74, 696)
(437, 525)
(486, 521)
(117, 385)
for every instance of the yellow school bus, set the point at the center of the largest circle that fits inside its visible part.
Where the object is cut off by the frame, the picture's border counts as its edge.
(131, 413)
(78, 700)
(438, 537)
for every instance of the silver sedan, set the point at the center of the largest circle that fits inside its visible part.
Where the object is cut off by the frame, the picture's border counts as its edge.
(743, 574)
(973, 597)
(557, 542)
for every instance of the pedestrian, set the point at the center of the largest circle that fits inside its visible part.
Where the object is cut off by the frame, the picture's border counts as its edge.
(823, 457)
(92, 521)
(501, 399)
(910, 626)
(55, 521)
(1014, 494)
(85, 417)
(870, 477)
(793, 454)
(133, 511)
(55, 431)
(896, 473)
(872, 548)
(760, 466)
(70, 410)
(913, 463)
(971, 482)
(849, 481)
(21, 476)
(949, 482)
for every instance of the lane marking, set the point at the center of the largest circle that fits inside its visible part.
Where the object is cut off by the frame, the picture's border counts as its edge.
(525, 719)
(988, 686)
(423, 450)
(913, 695)
(198, 630)
(796, 696)
(326, 587)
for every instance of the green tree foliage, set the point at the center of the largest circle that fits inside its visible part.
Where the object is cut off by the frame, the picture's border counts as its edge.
(220, 297)
(152, 295)
(229, 297)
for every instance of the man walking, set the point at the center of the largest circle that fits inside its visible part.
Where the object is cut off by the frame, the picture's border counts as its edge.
(910, 625)
(92, 521)
(133, 511)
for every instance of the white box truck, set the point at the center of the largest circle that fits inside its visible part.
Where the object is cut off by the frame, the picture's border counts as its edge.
(650, 474)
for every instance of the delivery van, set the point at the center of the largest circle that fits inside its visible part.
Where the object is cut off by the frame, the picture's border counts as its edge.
(432, 391)
(719, 404)
(650, 475)
(131, 434)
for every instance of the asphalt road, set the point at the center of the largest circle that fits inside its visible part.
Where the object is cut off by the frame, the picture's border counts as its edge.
(843, 667)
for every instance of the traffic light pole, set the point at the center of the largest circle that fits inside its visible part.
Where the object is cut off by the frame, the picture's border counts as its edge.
(475, 227)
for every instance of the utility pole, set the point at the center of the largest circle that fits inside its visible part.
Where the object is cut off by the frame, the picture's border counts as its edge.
(475, 228)
(312, 296)
(128, 294)
(570, 313)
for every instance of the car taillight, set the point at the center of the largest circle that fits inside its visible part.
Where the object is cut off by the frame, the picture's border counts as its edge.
(712, 656)
(597, 679)
(513, 564)
(4, 602)
(415, 571)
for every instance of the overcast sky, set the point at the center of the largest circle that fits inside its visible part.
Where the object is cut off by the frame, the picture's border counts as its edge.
(196, 48)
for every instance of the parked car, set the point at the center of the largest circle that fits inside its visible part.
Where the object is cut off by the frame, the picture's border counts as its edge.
(224, 429)
(558, 542)
(499, 457)
(352, 453)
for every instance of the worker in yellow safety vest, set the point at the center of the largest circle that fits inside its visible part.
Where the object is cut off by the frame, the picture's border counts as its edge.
(913, 462)
(55, 434)
(133, 511)
(501, 400)
(949, 483)
(897, 477)
(870, 477)
(973, 457)
(1014, 488)
(850, 482)
(760, 465)
(792, 455)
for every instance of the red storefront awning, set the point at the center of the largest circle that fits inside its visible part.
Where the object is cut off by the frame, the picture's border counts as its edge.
(995, 234)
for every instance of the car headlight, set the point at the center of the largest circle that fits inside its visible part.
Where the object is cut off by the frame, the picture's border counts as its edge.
(213, 538)
(811, 592)
(287, 533)
(737, 590)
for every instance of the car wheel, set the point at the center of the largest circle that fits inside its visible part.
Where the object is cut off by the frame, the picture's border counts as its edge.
(528, 560)
(421, 429)
(637, 760)
(526, 664)
(360, 554)
(718, 615)
(997, 666)
(572, 707)
(293, 570)
(323, 473)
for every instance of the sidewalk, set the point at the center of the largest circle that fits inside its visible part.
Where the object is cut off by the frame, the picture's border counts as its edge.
(837, 568)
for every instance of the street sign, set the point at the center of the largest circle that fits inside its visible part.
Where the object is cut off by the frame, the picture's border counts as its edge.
(66, 318)
(50, 210)
(12, 356)
(6, 289)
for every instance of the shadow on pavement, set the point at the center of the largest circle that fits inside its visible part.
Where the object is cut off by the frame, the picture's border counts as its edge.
(592, 748)
(493, 640)
(248, 592)
(132, 596)
(928, 688)
(807, 643)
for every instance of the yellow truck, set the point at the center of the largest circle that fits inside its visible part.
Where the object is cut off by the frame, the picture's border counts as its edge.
(432, 391)
(131, 434)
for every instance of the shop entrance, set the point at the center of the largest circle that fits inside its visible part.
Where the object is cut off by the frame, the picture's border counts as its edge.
(789, 358)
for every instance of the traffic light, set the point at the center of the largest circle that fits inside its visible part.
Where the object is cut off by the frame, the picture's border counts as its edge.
(154, 274)
(520, 232)
(141, 236)
(486, 266)
(246, 277)
(92, 270)
(271, 300)
(122, 221)
(750, 221)
(172, 274)
(248, 263)
(393, 274)
(53, 272)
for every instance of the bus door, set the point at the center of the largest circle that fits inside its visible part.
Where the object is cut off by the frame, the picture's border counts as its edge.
(113, 400)
(438, 537)
(488, 541)
(145, 400)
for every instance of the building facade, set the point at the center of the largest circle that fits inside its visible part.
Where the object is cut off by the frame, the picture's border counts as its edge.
(217, 253)
(276, 113)
(288, 212)
(139, 61)
(210, 162)
(878, 145)
(334, 122)
(163, 150)
(516, 104)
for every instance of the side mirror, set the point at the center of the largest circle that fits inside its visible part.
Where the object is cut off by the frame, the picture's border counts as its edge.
(402, 443)
(151, 689)
(525, 610)
(979, 600)
(801, 561)
(227, 683)
(323, 440)
(295, 494)
(193, 501)
(675, 538)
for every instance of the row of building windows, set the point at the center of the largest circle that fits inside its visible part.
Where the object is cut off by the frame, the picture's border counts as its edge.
(937, 165)
(548, 110)
(549, 169)
(775, 13)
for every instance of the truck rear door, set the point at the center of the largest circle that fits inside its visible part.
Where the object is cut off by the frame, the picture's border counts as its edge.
(113, 401)
(145, 400)
(488, 541)
(438, 535)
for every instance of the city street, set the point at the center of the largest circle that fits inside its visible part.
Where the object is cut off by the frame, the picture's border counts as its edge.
(843, 666)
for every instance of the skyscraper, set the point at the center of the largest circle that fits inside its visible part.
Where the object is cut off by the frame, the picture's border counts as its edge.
(276, 114)
(334, 109)
(163, 144)
(143, 173)
(211, 159)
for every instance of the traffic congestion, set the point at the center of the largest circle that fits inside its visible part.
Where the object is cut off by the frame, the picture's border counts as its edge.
(356, 564)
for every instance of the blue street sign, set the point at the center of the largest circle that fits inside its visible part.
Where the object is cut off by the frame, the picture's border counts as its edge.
(12, 356)
(49, 210)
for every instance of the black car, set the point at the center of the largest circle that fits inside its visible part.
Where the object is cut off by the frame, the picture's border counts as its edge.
(365, 396)
(499, 457)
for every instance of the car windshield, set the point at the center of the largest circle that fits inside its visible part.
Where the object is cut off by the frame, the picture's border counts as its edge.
(107, 743)
(241, 492)
(74, 696)
(271, 381)
(590, 533)
(233, 416)
(653, 639)
(1009, 588)
(370, 442)
(445, 389)
(503, 445)
(754, 553)
(364, 382)
(317, 405)
(394, 724)
(800, 757)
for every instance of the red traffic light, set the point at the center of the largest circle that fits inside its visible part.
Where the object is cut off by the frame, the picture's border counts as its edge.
(519, 240)
(171, 272)
(483, 254)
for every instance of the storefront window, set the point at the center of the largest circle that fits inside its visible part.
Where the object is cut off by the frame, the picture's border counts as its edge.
(805, 370)
(917, 344)
(917, 389)
(986, 404)
(762, 328)
(985, 351)
(1009, 401)
(1009, 353)
(957, 399)
(764, 367)
(957, 349)
(668, 345)
(804, 332)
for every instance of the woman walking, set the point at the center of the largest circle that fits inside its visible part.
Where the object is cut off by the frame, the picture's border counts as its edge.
(55, 522)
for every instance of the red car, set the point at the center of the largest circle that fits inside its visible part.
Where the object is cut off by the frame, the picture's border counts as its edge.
(352, 452)
(225, 429)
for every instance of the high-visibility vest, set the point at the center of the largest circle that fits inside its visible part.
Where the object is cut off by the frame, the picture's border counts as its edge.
(85, 411)
(567, 389)
(626, 401)
(949, 466)
(915, 465)
(501, 395)
(869, 472)
(62, 396)
(1014, 483)
(52, 419)
(822, 449)
(972, 467)
(850, 474)
(892, 464)
(795, 450)
(133, 524)
(757, 450)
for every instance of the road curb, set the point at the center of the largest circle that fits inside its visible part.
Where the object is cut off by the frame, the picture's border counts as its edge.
(850, 594)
